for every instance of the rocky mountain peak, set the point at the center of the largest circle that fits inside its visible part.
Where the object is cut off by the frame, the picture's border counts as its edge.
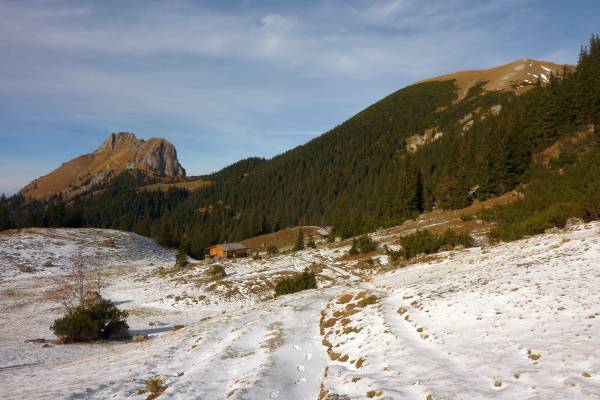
(119, 139)
(120, 152)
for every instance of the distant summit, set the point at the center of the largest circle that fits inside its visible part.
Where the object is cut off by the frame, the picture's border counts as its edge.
(119, 152)
(517, 76)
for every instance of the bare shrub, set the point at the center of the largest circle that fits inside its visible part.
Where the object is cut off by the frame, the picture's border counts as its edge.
(80, 287)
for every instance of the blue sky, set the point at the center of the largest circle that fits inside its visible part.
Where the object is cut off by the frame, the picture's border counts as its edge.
(225, 80)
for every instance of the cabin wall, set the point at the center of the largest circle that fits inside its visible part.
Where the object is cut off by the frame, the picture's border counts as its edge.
(217, 252)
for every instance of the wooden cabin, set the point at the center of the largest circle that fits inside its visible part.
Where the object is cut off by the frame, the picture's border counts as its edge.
(228, 250)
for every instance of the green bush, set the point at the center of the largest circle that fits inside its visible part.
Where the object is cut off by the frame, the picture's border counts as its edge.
(551, 197)
(419, 242)
(181, 260)
(393, 254)
(272, 249)
(299, 241)
(217, 272)
(456, 239)
(100, 321)
(424, 242)
(296, 283)
(466, 217)
(362, 244)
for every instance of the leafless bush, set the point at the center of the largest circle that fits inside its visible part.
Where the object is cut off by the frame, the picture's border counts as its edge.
(79, 287)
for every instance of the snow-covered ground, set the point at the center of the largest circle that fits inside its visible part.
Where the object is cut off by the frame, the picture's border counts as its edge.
(512, 321)
(46, 251)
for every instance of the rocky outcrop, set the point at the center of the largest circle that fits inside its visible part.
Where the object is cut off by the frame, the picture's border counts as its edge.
(155, 155)
(119, 152)
(414, 142)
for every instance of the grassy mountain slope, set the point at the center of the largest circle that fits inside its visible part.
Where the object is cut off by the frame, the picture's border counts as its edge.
(421, 146)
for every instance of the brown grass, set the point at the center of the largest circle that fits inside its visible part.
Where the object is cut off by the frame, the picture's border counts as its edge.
(533, 356)
(350, 329)
(345, 298)
(275, 338)
(359, 363)
(368, 301)
(329, 323)
(499, 78)
(156, 386)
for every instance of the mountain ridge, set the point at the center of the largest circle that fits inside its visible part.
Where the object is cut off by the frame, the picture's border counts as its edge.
(119, 152)
(518, 76)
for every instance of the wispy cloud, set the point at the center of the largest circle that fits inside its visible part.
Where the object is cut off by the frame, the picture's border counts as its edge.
(198, 72)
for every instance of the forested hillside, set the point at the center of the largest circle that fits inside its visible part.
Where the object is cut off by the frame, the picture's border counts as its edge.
(362, 174)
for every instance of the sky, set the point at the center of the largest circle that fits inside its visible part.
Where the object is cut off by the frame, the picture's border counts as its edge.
(226, 80)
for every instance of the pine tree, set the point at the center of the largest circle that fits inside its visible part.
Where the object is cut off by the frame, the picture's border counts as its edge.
(299, 241)
(181, 260)
(5, 218)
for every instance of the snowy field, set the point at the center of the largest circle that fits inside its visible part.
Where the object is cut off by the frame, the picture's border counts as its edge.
(511, 321)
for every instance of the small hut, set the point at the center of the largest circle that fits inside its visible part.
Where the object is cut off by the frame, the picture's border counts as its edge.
(228, 250)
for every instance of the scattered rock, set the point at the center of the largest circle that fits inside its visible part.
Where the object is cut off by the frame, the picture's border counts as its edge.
(26, 269)
(571, 222)
(39, 340)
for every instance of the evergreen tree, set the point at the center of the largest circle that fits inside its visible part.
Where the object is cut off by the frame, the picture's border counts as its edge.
(299, 241)
(5, 217)
(181, 260)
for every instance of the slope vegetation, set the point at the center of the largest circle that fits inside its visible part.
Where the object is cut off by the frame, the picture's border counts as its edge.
(423, 146)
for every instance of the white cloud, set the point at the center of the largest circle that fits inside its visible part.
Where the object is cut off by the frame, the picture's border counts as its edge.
(238, 74)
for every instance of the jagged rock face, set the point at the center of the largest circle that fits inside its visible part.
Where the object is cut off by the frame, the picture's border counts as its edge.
(155, 155)
(162, 157)
(119, 152)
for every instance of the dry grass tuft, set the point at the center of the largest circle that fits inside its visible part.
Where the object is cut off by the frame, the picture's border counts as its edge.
(368, 301)
(350, 329)
(533, 356)
(359, 363)
(345, 298)
(156, 386)
(329, 323)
